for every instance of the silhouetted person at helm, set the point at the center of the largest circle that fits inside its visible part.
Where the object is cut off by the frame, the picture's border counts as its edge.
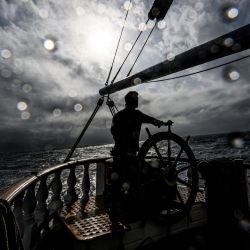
(126, 126)
(125, 129)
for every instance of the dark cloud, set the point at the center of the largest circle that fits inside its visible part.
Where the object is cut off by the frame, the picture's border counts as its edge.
(52, 82)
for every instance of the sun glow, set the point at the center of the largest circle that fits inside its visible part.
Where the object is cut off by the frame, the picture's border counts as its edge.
(101, 42)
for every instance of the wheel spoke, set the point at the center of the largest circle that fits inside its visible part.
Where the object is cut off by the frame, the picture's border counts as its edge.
(183, 169)
(156, 148)
(184, 182)
(178, 157)
(179, 197)
(150, 182)
(169, 152)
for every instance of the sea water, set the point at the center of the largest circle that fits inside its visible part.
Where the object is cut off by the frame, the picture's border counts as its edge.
(15, 166)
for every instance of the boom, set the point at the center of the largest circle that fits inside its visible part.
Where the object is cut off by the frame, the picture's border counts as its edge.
(209, 51)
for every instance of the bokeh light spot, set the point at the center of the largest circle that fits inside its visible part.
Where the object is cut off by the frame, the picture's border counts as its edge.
(228, 42)
(72, 93)
(6, 73)
(170, 56)
(25, 115)
(27, 88)
(22, 106)
(80, 11)
(127, 5)
(57, 112)
(43, 13)
(6, 53)
(234, 75)
(49, 44)
(127, 46)
(78, 107)
(232, 13)
(161, 24)
(137, 81)
(142, 26)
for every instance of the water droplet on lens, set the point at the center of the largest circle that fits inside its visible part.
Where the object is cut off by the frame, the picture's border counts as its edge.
(49, 44)
(127, 46)
(127, 5)
(228, 42)
(78, 107)
(22, 106)
(5, 53)
(57, 112)
(25, 115)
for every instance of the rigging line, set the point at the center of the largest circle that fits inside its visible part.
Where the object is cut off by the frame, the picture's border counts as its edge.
(127, 55)
(200, 71)
(141, 49)
(118, 45)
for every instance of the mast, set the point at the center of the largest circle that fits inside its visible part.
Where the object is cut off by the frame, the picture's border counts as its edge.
(209, 51)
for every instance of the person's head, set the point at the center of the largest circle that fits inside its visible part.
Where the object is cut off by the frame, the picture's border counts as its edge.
(131, 99)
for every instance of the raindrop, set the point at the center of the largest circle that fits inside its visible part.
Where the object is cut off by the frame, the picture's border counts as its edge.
(80, 11)
(49, 44)
(57, 112)
(170, 56)
(228, 42)
(108, 123)
(232, 13)
(150, 24)
(155, 11)
(27, 88)
(5, 73)
(142, 26)
(234, 75)
(238, 143)
(16, 83)
(22, 106)
(199, 6)
(49, 147)
(236, 47)
(43, 13)
(161, 24)
(214, 49)
(127, 46)
(127, 5)
(25, 115)
(78, 107)
(72, 93)
(137, 81)
(5, 53)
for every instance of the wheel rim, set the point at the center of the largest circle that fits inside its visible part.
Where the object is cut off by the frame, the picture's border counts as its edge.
(167, 176)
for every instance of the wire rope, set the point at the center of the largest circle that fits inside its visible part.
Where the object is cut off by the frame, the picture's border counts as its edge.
(200, 71)
(119, 40)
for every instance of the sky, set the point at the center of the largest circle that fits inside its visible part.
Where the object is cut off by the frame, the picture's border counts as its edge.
(56, 55)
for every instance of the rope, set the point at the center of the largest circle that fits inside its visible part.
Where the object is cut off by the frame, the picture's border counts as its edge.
(117, 45)
(99, 104)
(200, 71)
(127, 55)
(141, 49)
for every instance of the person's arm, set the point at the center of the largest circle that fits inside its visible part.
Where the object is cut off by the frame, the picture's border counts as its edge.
(148, 119)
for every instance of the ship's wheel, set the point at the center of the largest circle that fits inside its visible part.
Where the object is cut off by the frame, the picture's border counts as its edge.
(167, 177)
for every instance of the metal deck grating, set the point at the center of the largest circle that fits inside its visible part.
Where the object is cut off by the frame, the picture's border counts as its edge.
(92, 220)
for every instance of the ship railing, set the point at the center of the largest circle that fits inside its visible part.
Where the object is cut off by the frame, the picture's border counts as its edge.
(36, 199)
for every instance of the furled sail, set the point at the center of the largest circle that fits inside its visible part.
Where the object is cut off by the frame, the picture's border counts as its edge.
(209, 51)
